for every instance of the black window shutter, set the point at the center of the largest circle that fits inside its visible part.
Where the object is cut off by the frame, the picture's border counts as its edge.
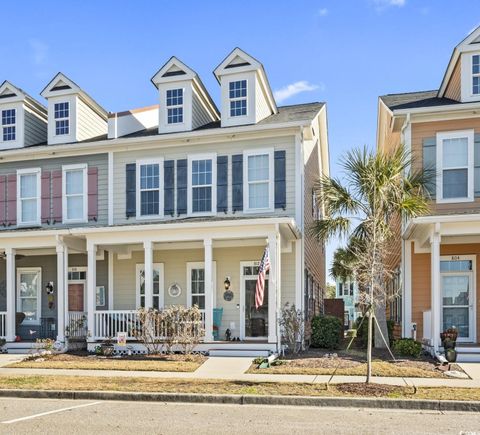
(169, 187)
(131, 171)
(430, 163)
(280, 180)
(222, 184)
(182, 186)
(237, 182)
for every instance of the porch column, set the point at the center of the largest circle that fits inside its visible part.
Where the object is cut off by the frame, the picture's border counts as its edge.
(10, 277)
(435, 290)
(207, 243)
(60, 292)
(91, 289)
(147, 246)
(65, 280)
(272, 287)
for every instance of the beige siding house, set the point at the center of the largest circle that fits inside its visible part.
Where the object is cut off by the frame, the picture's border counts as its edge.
(438, 255)
(173, 204)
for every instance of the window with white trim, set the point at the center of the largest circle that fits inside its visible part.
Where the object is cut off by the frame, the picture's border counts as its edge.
(174, 106)
(62, 118)
(258, 181)
(196, 284)
(28, 196)
(201, 192)
(455, 166)
(29, 288)
(476, 74)
(157, 285)
(9, 121)
(237, 92)
(74, 185)
(149, 189)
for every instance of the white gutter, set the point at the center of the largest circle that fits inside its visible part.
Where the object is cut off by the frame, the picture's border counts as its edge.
(436, 109)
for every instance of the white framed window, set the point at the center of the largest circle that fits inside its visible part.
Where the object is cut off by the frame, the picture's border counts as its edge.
(74, 193)
(149, 188)
(174, 105)
(237, 93)
(202, 192)
(62, 118)
(196, 284)
(455, 166)
(29, 291)
(28, 196)
(476, 74)
(9, 125)
(158, 285)
(258, 188)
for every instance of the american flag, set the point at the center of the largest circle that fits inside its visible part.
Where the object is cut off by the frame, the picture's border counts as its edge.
(263, 268)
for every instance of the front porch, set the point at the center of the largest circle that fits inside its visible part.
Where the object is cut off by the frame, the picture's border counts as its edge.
(100, 280)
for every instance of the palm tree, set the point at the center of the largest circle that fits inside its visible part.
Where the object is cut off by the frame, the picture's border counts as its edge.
(377, 188)
(342, 264)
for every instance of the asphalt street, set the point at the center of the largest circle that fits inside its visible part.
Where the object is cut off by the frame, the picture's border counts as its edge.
(32, 416)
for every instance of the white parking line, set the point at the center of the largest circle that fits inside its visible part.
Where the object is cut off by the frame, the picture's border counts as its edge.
(49, 412)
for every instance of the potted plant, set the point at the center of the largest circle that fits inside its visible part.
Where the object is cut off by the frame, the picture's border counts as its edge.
(107, 347)
(3, 342)
(449, 341)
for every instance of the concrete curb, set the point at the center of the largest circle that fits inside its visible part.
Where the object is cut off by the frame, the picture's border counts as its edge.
(344, 402)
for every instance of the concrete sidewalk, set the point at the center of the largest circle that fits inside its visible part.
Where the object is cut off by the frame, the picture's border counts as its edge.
(233, 369)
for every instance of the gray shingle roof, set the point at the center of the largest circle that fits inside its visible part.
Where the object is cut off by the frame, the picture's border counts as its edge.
(413, 100)
(297, 112)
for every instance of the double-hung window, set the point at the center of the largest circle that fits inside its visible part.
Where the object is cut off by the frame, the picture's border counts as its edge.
(201, 188)
(174, 106)
(62, 118)
(455, 166)
(476, 74)
(258, 181)
(75, 190)
(28, 196)
(149, 188)
(238, 98)
(9, 120)
(158, 292)
(196, 284)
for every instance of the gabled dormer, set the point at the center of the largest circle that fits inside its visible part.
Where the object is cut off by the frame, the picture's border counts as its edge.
(462, 78)
(23, 120)
(184, 102)
(246, 94)
(73, 116)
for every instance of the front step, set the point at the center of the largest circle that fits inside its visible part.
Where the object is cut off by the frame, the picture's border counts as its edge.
(239, 352)
(22, 348)
(468, 354)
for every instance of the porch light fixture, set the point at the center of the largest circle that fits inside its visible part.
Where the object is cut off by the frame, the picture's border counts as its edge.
(226, 283)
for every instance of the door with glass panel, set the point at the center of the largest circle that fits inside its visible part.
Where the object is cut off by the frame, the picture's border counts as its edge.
(29, 290)
(458, 293)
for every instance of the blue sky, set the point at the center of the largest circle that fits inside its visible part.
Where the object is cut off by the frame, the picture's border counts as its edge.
(344, 52)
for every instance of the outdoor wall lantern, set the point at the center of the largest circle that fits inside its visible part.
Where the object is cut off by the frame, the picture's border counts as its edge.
(226, 283)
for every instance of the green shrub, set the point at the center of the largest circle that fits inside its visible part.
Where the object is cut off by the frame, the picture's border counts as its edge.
(407, 347)
(326, 332)
(362, 332)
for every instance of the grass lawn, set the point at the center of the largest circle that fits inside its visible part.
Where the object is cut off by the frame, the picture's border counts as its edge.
(90, 383)
(318, 362)
(164, 363)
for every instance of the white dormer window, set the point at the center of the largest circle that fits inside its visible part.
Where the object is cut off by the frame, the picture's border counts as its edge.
(9, 119)
(238, 98)
(174, 106)
(476, 74)
(62, 118)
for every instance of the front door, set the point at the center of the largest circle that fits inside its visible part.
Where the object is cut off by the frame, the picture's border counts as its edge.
(76, 297)
(254, 324)
(457, 288)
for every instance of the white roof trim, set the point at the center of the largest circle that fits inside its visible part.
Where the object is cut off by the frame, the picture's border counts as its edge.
(158, 78)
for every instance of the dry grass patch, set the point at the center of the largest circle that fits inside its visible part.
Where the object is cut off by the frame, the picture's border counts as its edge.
(197, 386)
(163, 363)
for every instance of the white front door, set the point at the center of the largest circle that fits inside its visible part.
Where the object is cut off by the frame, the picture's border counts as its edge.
(253, 321)
(457, 289)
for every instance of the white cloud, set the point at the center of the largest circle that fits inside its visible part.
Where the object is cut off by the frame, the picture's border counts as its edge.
(292, 89)
(39, 51)
(383, 4)
(322, 12)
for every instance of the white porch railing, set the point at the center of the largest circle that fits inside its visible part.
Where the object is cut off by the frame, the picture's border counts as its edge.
(107, 324)
(3, 324)
(77, 324)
